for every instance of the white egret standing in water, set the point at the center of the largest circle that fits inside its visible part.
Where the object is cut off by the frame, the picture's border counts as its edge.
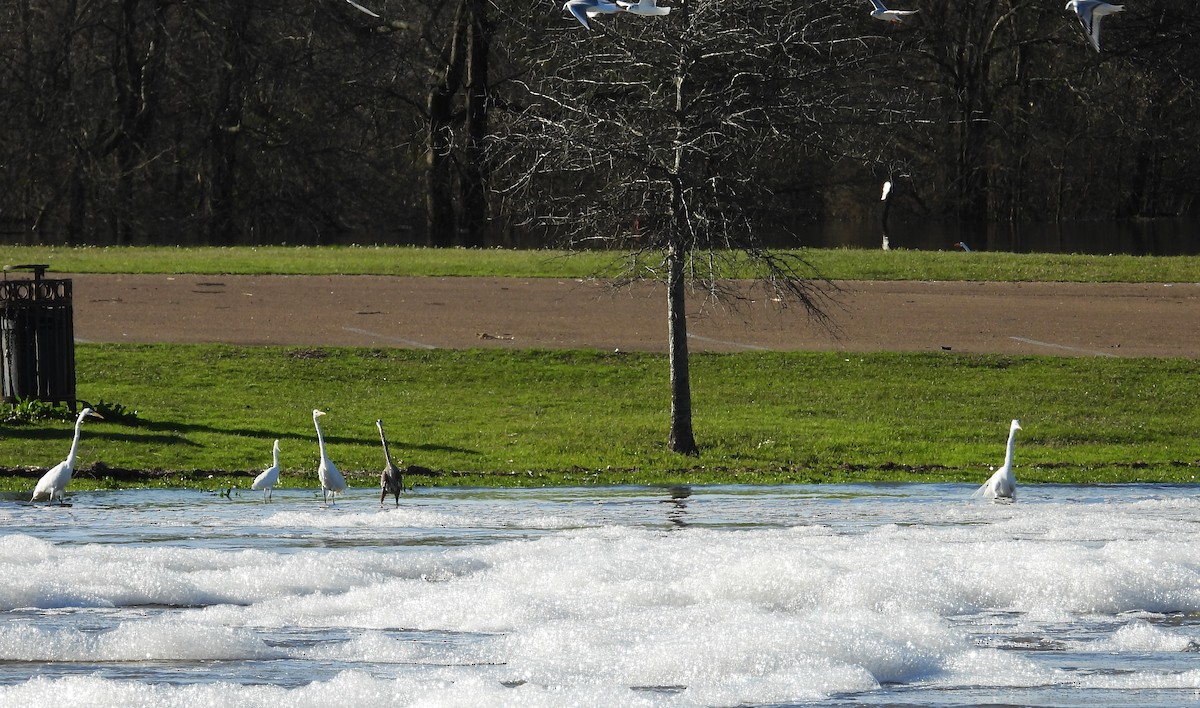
(56, 479)
(268, 478)
(1003, 483)
(391, 480)
(332, 481)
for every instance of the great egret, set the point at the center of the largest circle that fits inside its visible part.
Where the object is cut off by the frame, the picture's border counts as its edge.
(268, 478)
(1089, 13)
(584, 9)
(1003, 483)
(882, 13)
(332, 481)
(391, 480)
(56, 479)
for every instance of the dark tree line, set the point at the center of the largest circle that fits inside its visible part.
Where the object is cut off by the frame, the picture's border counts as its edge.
(465, 122)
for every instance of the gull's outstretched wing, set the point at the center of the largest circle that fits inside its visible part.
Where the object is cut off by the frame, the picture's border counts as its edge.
(360, 8)
(579, 10)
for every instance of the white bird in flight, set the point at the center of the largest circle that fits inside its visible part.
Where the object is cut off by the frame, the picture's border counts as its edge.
(644, 7)
(332, 481)
(56, 478)
(1003, 483)
(360, 8)
(268, 478)
(1089, 13)
(882, 13)
(584, 9)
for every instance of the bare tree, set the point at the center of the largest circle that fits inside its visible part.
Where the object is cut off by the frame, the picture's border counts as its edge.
(655, 135)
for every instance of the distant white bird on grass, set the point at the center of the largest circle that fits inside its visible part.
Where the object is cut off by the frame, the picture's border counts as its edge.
(882, 13)
(56, 479)
(391, 480)
(648, 8)
(1089, 13)
(360, 8)
(332, 481)
(585, 9)
(962, 246)
(1003, 483)
(268, 478)
(883, 197)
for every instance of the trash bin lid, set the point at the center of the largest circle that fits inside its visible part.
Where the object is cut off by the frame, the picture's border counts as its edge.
(39, 269)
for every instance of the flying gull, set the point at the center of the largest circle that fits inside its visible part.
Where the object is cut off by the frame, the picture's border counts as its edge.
(643, 7)
(584, 9)
(360, 8)
(1090, 12)
(882, 13)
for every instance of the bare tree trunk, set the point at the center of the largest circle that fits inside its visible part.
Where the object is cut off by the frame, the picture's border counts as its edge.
(135, 104)
(473, 180)
(972, 167)
(226, 127)
(681, 440)
(440, 220)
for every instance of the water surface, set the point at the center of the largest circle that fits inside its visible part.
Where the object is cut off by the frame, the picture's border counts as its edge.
(799, 595)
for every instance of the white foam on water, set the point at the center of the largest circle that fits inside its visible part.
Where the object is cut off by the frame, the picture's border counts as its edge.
(833, 604)
(121, 576)
(348, 688)
(1187, 681)
(135, 641)
(387, 517)
(1141, 636)
(336, 518)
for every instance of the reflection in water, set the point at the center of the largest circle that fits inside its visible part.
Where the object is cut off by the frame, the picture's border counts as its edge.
(677, 511)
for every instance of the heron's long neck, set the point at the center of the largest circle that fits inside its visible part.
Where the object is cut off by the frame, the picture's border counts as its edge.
(275, 456)
(1008, 454)
(320, 438)
(74, 443)
(387, 456)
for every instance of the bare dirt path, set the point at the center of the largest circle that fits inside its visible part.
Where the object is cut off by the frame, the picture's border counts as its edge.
(1011, 318)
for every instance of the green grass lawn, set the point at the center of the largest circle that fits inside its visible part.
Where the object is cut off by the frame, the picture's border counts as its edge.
(581, 417)
(535, 417)
(835, 264)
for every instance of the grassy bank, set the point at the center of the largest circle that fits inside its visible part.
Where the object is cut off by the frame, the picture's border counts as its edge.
(525, 418)
(835, 264)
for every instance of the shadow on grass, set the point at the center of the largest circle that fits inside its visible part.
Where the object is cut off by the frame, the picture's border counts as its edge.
(58, 436)
(176, 434)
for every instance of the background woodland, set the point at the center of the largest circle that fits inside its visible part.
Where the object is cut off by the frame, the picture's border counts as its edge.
(507, 123)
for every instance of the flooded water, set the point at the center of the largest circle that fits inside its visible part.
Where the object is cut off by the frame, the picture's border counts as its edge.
(890, 595)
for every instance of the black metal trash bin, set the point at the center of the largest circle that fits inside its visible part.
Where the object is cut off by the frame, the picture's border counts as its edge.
(37, 337)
